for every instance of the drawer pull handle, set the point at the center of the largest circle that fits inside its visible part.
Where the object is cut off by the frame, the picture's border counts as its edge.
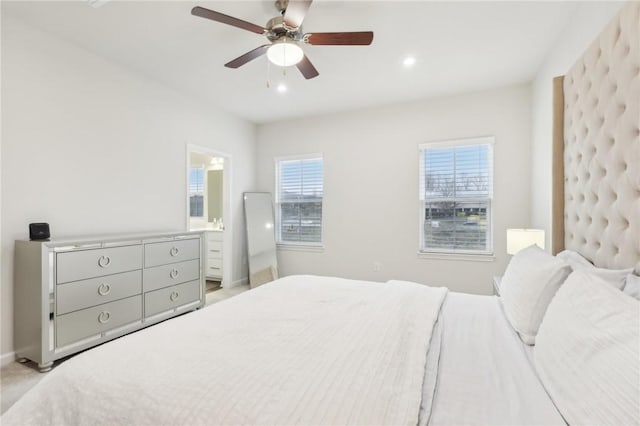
(174, 295)
(104, 317)
(104, 261)
(174, 251)
(213, 267)
(173, 273)
(104, 289)
(215, 251)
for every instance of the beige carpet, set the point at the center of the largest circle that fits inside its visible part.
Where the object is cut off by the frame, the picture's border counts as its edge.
(16, 379)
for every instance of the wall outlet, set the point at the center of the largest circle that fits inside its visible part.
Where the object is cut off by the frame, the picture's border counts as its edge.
(376, 266)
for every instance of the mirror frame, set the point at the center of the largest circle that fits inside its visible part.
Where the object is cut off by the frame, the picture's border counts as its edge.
(260, 276)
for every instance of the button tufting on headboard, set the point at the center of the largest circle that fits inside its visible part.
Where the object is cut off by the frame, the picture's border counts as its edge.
(602, 146)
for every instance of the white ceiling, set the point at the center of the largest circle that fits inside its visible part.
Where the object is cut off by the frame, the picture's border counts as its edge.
(459, 47)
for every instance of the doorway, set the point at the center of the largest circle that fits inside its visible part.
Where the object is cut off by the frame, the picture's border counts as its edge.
(208, 209)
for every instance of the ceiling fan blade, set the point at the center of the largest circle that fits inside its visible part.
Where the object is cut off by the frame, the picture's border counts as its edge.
(247, 57)
(226, 19)
(306, 68)
(295, 12)
(357, 38)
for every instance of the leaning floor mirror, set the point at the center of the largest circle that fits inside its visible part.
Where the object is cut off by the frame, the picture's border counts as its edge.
(261, 241)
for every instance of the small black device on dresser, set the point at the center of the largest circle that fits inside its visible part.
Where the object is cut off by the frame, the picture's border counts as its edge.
(39, 231)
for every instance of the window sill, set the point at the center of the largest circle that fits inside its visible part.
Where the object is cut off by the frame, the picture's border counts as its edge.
(300, 247)
(457, 256)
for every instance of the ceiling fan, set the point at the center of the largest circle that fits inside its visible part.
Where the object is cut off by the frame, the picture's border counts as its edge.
(285, 34)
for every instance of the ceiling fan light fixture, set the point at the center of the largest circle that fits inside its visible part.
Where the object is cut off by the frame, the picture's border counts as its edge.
(284, 54)
(285, 35)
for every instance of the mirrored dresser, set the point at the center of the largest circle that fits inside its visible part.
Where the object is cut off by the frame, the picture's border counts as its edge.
(76, 293)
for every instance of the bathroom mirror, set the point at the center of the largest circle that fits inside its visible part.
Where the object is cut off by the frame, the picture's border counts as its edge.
(214, 194)
(261, 238)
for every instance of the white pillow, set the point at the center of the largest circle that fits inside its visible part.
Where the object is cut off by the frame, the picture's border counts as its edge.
(587, 353)
(632, 287)
(615, 277)
(531, 280)
(573, 258)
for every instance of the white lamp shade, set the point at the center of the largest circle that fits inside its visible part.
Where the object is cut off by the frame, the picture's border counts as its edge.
(517, 239)
(284, 54)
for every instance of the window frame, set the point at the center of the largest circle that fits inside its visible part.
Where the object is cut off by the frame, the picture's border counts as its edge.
(488, 252)
(297, 245)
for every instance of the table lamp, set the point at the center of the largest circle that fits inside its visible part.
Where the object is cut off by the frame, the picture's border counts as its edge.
(517, 239)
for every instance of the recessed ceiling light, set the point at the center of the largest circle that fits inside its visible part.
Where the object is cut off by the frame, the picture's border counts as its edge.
(409, 61)
(282, 88)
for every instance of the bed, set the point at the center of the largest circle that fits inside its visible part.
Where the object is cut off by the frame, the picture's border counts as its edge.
(346, 351)
(323, 350)
(308, 350)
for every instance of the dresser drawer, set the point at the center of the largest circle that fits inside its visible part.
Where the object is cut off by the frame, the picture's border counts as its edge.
(214, 249)
(92, 321)
(214, 268)
(171, 252)
(83, 264)
(96, 291)
(166, 275)
(214, 236)
(172, 297)
(214, 272)
(216, 263)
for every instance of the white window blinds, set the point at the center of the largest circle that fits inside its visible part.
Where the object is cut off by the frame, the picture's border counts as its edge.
(299, 194)
(456, 191)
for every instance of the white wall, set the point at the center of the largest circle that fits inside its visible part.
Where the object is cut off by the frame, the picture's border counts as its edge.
(91, 148)
(586, 24)
(371, 207)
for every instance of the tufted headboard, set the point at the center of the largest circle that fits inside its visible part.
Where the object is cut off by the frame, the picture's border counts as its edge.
(597, 141)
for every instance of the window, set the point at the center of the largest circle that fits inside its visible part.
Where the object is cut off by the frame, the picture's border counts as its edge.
(299, 193)
(196, 192)
(456, 190)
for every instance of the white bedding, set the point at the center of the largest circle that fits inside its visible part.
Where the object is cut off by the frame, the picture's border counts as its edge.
(307, 350)
(304, 350)
(485, 376)
(588, 354)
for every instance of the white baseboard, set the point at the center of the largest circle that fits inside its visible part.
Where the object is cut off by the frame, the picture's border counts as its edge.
(8, 358)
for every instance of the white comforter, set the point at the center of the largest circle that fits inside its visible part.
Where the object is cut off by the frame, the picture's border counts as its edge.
(303, 350)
